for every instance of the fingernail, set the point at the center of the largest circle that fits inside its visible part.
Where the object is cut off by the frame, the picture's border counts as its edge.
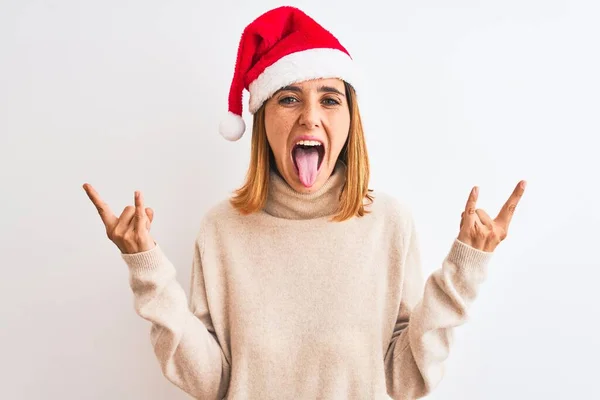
(523, 184)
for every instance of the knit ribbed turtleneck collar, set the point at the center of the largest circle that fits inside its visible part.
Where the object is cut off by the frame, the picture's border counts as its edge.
(285, 202)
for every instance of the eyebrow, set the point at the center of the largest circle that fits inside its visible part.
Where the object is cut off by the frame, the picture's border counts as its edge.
(321, 89)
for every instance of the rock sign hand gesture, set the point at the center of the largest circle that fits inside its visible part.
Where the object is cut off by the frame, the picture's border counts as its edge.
(478, 230)
(131, 230)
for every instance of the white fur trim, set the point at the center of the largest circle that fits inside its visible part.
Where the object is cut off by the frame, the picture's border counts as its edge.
(300, 66)
(232, 127)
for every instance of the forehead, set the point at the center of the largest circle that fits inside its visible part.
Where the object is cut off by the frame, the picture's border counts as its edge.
(314, 84)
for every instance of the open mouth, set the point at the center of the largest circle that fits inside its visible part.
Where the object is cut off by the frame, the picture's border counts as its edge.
(320, 149)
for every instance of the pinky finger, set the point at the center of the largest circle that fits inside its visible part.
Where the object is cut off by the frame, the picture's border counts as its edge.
(140, 216)
(150, 215)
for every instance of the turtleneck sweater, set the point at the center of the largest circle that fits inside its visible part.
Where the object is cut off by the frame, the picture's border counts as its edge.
(286, 304)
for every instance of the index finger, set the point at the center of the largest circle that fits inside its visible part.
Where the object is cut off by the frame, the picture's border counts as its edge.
(506, 213)
(108, 217)
(472, 201)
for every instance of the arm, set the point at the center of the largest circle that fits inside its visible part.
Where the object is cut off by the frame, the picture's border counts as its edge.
(423, 334)
(188, 352)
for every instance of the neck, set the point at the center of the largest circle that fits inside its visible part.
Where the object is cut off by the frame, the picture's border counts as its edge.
(285, 202)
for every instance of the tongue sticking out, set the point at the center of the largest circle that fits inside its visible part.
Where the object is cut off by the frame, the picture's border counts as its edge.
(307, 160)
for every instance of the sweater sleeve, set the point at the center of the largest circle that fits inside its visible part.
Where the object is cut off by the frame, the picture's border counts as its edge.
(188, 352)
(424, 329)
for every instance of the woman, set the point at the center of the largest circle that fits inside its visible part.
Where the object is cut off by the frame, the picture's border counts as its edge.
(304, 285)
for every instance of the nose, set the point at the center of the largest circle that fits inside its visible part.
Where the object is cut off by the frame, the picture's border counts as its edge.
(310, 116)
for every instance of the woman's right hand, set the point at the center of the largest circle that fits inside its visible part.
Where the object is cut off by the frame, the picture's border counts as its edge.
(131, 230)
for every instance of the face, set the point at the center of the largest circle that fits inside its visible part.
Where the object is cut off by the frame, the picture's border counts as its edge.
(317, 110)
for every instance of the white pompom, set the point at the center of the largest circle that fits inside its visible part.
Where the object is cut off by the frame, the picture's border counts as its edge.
(232, 127)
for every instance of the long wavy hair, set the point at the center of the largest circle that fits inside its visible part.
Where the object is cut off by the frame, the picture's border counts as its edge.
(252, 196)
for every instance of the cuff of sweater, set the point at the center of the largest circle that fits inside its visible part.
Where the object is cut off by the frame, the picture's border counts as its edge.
(145, 261)
(467, 258)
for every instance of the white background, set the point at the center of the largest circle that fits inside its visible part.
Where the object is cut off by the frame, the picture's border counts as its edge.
(128, 95)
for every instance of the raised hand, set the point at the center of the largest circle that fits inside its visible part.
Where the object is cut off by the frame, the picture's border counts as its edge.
(131, 230)
(478, 230)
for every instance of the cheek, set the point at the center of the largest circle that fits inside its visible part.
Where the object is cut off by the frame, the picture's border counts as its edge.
(339, 126)
(278, 126)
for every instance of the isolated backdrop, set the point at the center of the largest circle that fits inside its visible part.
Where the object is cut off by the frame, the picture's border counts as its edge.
(128, 95)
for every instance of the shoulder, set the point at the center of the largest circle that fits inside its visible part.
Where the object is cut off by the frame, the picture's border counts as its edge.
(217, 214)
(394, 209)
(399, 219)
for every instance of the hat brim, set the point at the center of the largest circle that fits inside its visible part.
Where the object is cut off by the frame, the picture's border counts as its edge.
(300, 66)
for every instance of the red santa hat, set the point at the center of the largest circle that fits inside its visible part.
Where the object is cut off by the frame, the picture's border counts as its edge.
(281, 47)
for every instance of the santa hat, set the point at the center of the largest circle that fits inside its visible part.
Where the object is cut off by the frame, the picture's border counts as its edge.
(281, 47)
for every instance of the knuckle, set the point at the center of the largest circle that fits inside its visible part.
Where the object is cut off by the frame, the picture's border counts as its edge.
(115, 232)
(480, 234)
(129, 234)
(119, 234)
(499, 234)
(129, 239)
(493, 236)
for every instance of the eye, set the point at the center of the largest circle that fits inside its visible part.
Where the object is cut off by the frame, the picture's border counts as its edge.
(331, 101)
(287, 100)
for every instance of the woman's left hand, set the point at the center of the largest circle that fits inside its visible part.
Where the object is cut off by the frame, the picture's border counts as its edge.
(478, 230)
